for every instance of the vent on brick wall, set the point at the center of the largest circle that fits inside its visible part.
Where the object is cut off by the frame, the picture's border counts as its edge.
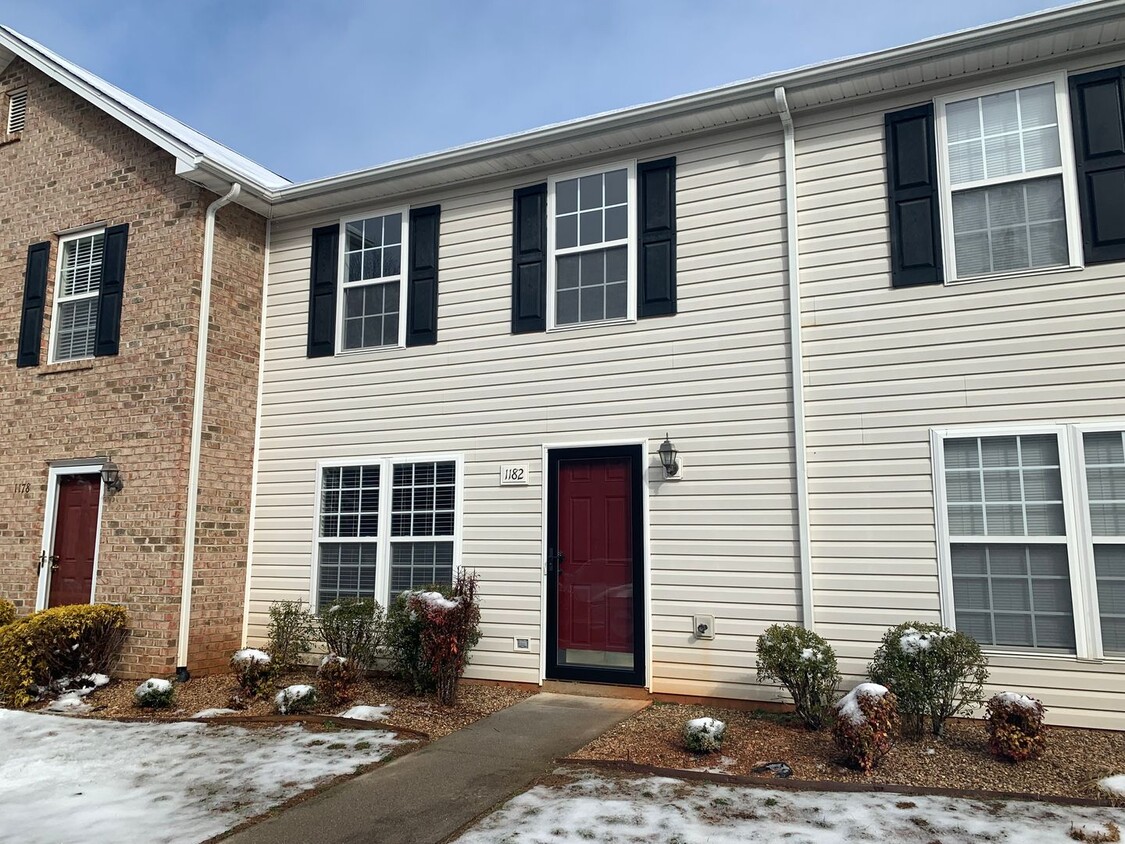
(17, 111)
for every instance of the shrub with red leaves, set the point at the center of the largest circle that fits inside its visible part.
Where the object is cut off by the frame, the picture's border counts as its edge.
(336, 679)
(1015, 726)
(449, 627)
(866, 724)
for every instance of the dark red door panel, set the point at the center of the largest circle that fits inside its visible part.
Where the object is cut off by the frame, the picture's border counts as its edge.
(76, 532)
(595, 572)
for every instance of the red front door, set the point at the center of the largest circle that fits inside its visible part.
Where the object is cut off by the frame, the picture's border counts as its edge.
(76, 535)
(595, 565)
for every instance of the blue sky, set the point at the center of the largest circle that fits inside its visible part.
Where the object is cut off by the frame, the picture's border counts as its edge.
(316, 87)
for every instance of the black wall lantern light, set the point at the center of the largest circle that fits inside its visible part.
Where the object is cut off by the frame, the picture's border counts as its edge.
(111, 476)
(669, 458)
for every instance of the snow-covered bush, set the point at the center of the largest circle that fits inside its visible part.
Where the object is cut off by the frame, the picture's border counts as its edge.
(1015, 726)
(39, 649)
(936, 674)
(289, 634)
(7, 612)
(336, 678)
(353, 629)
(704, 735)
(295, 699)
(805, 664)
(155, 694)
(251, 668)
(865, 726)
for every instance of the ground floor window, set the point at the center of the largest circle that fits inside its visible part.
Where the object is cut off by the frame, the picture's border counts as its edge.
(386, 525)
(1033, 536)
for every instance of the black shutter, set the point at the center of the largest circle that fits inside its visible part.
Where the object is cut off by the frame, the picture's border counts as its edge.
(529, 260)
(111, 293)
(421, 300)
(656, 278)
(34, 300)
(1097, 103)
(322, 291)
(913, 197)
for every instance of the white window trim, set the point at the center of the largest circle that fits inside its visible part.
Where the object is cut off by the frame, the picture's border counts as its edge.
(383, 540)
(1079, 544)
(50, 516)
(630, 168)
(58, 298)
(1067, 170)
(342, 284)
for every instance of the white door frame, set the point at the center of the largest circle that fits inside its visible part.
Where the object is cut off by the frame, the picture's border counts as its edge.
(50, 513)
(543, 632)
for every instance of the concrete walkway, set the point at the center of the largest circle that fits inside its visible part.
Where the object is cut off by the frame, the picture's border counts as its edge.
(426, 795)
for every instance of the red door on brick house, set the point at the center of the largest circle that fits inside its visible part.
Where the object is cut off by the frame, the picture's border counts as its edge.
(76, 536)
(595, 566)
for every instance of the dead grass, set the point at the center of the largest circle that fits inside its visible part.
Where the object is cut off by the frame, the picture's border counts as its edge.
(421, 714)
(1069, 767)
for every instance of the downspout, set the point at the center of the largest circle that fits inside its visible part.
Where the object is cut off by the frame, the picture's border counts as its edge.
(257, 434)
(197, 429)
(796, 363)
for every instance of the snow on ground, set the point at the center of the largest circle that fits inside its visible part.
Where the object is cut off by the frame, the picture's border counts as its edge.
(657, 809)
(69, 779)
(1115, 785)
(367, 713)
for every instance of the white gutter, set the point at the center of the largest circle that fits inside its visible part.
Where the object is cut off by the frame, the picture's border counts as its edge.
(257, 436)
(796, 360)
(197, 428)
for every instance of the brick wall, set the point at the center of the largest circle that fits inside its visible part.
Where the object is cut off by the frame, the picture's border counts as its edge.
(74, 166)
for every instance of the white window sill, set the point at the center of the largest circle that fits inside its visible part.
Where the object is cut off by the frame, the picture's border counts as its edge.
(594, 324)
(368, 351)
(1059, 655)
(1044, 271)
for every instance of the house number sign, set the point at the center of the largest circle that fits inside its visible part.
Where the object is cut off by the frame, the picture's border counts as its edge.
(513, 474)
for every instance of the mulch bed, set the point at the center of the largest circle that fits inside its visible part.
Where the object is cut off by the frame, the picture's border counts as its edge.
(1073, 762)
(410, 712)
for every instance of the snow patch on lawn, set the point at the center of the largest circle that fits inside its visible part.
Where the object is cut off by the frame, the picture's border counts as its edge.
(849, 706)
(657, 809)
(65, 779)
(215, 712)
(1115, 785)
(70, 703)
(367, 713)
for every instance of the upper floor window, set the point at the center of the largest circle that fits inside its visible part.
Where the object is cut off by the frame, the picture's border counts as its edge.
(1006, 169)
(371, 281)
(592, 247)
(1034, 546)
(77, 282)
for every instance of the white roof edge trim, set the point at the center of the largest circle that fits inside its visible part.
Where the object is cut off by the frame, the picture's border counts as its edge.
(1024, 26)
(173, 136)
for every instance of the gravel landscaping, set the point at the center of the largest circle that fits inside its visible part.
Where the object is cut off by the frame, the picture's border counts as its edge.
(1072, 764)
(419, 714)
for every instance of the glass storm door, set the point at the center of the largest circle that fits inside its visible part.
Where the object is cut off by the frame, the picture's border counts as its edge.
(595, 565)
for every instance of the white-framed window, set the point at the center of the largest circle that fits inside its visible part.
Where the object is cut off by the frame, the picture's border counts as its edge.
(385, 525)
(1007, 179)
(1031, 523)
(592, 246)
(372, 308)
(78, 278)
(17, 111)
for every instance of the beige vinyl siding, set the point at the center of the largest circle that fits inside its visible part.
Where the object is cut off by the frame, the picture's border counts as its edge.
(715, 377)
(884, 366)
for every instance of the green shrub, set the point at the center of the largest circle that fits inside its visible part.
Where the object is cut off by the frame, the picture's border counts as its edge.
(294, 700)
(865, 725)
(155, 694)
(404, 644)
(1015, 726)
(805, 664)
(38, 650)
(336, 678)
(704, 735)
(251, 668)
(936, 674)
(7, 612)
(353, 630)
(290, 633)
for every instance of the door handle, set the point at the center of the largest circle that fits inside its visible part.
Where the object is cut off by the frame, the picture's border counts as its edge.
(554, 560)
(54, 562)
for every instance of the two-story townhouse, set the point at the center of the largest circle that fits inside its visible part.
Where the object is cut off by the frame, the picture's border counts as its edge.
(126, 432)
(875, 305)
